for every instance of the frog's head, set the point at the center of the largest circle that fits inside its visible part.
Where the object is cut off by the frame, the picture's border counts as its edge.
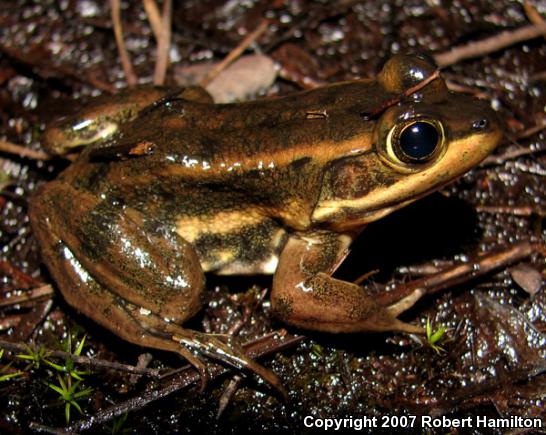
(419, 144)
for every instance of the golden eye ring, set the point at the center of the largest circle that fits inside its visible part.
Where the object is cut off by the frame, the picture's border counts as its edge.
(416, 141)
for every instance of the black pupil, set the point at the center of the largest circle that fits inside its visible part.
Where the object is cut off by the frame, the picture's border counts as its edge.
(419, 141)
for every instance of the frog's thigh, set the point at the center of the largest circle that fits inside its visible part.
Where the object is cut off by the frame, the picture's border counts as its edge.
(103, 254)
(305, 295)
(98, 303)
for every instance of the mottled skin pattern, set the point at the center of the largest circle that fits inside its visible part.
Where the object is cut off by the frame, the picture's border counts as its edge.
(275, 186)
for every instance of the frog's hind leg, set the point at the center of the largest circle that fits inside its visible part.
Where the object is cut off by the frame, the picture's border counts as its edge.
(129, 274)
(128, 254)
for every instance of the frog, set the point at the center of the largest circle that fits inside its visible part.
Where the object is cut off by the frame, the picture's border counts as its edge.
(171, 186)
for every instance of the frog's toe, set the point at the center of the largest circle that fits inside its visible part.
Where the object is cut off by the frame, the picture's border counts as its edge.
(397, 308)
(405, 303)
(197, 364)
(231, 354)
(408, 328)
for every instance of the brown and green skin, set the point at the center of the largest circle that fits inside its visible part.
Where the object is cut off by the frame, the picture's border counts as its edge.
(273, 186)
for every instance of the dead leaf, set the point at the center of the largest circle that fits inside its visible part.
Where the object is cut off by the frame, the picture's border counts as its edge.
(527, 277)
(245, 78)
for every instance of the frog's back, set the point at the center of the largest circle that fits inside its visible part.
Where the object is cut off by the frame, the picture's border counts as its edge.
(252, 134)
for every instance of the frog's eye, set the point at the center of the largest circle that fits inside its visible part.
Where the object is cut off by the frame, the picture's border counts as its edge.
(417, 141)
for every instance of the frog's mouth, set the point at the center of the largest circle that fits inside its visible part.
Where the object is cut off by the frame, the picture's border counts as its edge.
(375, 214)
(352, 218)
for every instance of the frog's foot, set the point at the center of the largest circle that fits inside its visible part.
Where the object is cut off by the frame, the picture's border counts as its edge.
(231, 354)
(186, 342)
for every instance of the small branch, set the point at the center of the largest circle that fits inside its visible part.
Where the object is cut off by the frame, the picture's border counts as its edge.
(9, 322)
(163, 44)
(144, 359)
(21, 279)
(28, 295)
(490, 45)
(389, 103)
(532, 13)
(235, 53)
(44, 68)
(513, 154)
(510, 155)
(154, 17)
(463, 272)
(523, 134)
(21, 151)
(92, 362)
(538, 76)
(227, 395)
(475, 92)
(130, 75)
(41, 428)
(516, 211)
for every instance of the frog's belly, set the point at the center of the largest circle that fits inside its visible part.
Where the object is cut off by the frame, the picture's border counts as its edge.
(234, 242)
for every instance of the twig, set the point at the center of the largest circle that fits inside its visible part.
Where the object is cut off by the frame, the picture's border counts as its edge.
(33, 318)
(21, 151)
(532, 13)
(144, 359)
(28, 295)
(235, 53)
(47, 429)
(130, 75)
(270, 344)
(163, 44)
(228, 394)
(476, 92)
(154, 17)
(9, 322)
(534, 169)
(38, 62)
(522, 134)
(513, 154)
(490, 45)
(92, 362)
(510, 155)
(516, 211)
(21, 279)
(463, 272)
(481, 266)
(389, 103)
(247, 314)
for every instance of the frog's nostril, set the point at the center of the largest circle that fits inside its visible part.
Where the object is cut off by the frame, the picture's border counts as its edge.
(480, 124)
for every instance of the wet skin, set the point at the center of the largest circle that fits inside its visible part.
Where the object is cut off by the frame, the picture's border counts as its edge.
(172, 186)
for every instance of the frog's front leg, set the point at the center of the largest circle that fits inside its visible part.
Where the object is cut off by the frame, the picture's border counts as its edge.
(129, 273)
(305, 294)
